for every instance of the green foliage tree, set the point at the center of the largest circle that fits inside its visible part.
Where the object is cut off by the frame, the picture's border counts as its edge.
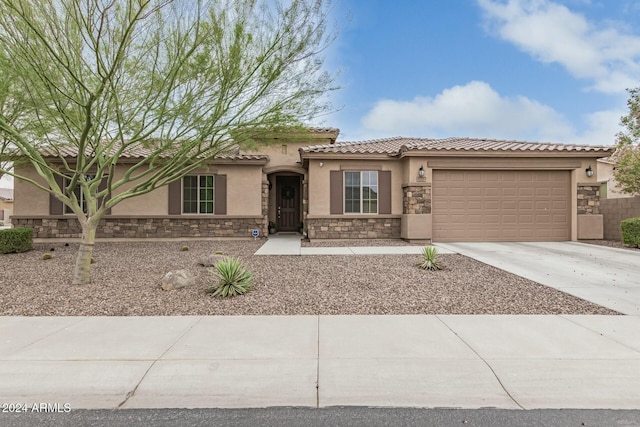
(627, 154)
(99, 78)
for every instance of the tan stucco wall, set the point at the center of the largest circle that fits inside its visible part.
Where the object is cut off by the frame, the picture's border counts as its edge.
(244, 183)
(154, 203)
(28, 199)
(319, 178)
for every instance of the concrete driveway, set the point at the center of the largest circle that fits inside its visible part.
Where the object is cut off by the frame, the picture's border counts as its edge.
(606, 276)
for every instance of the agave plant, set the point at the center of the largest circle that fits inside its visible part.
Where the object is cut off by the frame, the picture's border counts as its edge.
(430, 259)
(233, 278)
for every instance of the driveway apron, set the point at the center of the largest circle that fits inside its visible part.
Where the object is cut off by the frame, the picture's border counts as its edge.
(606, 276)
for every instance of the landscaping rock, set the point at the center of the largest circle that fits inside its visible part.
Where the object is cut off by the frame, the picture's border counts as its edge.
(177, 279)
(210, 260)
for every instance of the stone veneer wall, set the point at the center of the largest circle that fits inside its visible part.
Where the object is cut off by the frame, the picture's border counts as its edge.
(126, 227)
(264, 229)
(353, 228)
(616, 210)
(416, 199)
(588, 199)
(305, 207)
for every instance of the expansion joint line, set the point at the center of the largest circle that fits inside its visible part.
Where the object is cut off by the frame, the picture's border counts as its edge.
(485, 362)
(132, 392)
(318, 367)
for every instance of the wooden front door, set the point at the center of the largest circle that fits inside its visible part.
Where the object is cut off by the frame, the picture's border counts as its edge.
(288, 203)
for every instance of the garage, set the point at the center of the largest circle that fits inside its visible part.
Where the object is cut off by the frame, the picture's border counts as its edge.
(501, 205)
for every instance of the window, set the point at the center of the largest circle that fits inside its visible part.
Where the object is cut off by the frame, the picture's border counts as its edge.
(198, 194)
(79, 195)
(361, 192)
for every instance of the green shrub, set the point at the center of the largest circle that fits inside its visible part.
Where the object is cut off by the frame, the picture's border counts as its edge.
(630, 229)
(185, 248)
(16, 240)
(233, 278)
(46, 256)
(430, 259)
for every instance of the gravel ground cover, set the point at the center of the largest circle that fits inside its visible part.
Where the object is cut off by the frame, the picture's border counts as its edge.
(126, 282)
(610, 243)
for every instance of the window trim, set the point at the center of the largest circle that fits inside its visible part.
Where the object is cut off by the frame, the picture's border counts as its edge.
(213, 198)
(344, 193)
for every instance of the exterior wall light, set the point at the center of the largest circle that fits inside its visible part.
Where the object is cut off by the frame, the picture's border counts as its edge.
(421, 171)
(589, 171)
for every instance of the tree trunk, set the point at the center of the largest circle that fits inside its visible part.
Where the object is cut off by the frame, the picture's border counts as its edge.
(82, 273)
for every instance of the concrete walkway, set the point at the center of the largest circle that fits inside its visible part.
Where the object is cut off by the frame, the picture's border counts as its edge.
(317, 361)
(289, 244)
(606, 276)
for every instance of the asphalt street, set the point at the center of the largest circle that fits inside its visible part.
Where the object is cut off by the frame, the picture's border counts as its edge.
(341, 416)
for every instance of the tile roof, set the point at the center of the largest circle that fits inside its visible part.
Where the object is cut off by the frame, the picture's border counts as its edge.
(397, 145)
(138, 151)
(374, 146)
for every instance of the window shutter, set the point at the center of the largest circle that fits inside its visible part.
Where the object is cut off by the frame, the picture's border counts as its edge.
(55, 206)
(335, 193)
(220, 190)
(384, 192)
(175, 197)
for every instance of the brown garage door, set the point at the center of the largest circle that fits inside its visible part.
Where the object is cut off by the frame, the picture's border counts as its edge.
(470, 206)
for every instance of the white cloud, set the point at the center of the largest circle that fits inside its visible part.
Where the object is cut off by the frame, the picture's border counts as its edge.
(477, 110)
(474, 109)
(551, 33)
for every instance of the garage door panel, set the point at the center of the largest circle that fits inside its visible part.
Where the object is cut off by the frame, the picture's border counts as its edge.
(501, 205)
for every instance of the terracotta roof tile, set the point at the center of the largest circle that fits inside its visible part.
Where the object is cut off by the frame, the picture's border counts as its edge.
(394, 146)
(138, 151)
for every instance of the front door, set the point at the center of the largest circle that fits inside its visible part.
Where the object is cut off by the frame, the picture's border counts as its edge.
(288, 203)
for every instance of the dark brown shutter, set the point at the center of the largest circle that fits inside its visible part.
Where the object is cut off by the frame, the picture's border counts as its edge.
(55, 206)
(175, 197)
(335, 193)
(384, 192)
(220, 190)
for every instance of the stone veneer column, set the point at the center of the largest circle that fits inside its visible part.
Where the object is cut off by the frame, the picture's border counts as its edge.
(305, 206)
(264, 229)
(588, 199)
(416, 198)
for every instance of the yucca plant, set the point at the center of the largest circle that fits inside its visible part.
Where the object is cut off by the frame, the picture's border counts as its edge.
(233, 278)
(430, 259)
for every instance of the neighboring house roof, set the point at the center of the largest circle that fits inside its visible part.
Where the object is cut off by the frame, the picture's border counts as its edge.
(398, 145)
(6, 193)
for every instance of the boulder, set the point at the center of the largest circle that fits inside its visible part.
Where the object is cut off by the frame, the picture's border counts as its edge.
(177, 279)
(210, 260)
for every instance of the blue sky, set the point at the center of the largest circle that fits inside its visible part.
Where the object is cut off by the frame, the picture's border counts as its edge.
(537, 70)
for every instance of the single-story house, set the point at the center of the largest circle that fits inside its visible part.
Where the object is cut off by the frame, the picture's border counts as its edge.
(6, 204)
(609, 188)
(453, 189)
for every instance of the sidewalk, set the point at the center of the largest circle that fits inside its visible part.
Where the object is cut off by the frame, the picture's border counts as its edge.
(289, 244)
(317, 361)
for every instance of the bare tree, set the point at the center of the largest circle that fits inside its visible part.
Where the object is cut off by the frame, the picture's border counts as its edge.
(99, 78)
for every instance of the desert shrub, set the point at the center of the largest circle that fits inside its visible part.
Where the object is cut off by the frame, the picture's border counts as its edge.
(219, 253)
(185, 248)
(16, 240)
(630, 229)
(233, 278)
(46, 256)
(430, 259)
